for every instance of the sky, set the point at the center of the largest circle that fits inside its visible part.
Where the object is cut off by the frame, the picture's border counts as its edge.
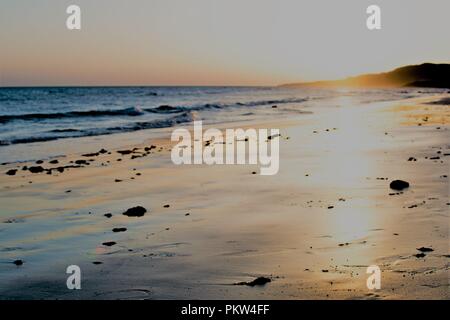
(214, 42)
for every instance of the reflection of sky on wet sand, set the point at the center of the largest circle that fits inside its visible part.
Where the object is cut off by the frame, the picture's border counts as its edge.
(345, 162)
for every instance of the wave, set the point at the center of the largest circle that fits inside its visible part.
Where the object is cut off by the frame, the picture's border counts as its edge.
(273, 102)
(136, 111)
(133, 111)
(74, 133)
(64, 130)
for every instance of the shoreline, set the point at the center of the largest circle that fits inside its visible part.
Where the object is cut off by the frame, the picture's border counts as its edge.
(224, 225)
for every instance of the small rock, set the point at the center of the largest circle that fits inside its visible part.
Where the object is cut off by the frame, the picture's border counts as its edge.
(399, 185)
(135, 212)
(108, 215)
(119, 229)
(36, 169)
(109, 243)
(150, 148)
(11, 172)
(81, 161)
(94, 154)
(260, 281)
(123, 152)
(18, 262)
(424, 249)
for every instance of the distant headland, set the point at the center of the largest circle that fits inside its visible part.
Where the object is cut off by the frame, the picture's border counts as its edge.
(427, 75)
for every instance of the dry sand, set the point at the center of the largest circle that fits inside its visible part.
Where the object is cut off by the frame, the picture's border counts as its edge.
(312, 229)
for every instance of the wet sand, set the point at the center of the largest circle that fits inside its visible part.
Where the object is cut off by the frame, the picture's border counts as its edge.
(312, 229)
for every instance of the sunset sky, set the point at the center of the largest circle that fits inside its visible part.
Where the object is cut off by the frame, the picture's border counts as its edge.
(212, 42)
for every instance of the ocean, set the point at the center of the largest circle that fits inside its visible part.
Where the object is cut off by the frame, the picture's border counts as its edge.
(35, 115)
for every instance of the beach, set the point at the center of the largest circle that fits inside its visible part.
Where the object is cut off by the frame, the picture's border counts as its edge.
(208, 231)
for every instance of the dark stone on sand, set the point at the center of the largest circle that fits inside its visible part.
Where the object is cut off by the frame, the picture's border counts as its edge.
(399, 185)
(18, 262)
(166, 206)
(81, 161)
(24, 168)
(253, 172)
(94, 154)
(119, 229)
(36, 169)
(117, 180)
(434, 158)
(425, 249)
(260, 281)
(123, 152)
(53, 161)
(274, 107)
(187, 214)
(108, 215)
(39, 162)
(419, 255)
(150, 148)
(324, 270)
(102, 151)
(11, 172)
(109, 243)
(412, 159)
(135, 212)
(330, 207)
(97, 262)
